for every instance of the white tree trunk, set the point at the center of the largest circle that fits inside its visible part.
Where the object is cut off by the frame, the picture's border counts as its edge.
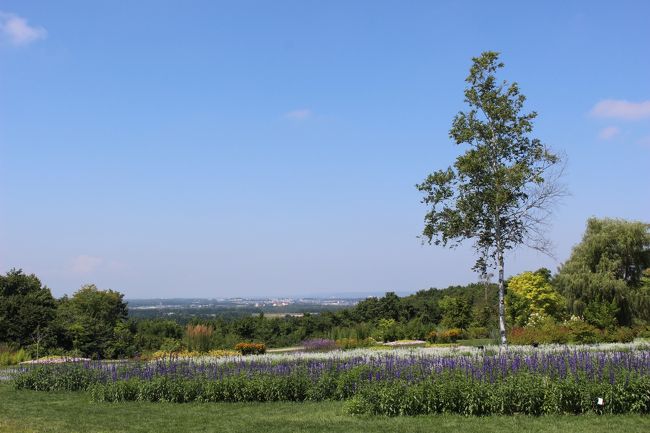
(502, 301)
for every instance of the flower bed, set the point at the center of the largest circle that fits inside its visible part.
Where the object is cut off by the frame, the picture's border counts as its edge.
(517, 393)
(406, 343)
(391, 382)
(217, 353)
(55, 360)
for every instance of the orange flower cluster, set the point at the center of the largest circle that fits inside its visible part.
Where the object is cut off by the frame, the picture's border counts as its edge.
(251, 348)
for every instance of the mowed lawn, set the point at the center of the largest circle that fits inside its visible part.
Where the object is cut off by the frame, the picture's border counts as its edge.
(32, 411)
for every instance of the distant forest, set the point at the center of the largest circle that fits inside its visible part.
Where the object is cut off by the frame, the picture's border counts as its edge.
(184, 313)
(601, 293)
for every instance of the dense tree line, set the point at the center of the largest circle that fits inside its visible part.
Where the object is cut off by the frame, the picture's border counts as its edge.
(605, 283)
(95, 322)
(91, 322)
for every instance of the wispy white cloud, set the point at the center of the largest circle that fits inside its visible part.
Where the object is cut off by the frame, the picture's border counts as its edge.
(85, 264)
(300, 114)
(619, 109)
(608, 133)
(17, 31)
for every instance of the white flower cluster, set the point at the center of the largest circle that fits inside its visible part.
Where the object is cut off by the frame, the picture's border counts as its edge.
(371, 353)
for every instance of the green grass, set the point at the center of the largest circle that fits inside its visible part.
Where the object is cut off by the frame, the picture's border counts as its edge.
(32, 411)
(476, 342)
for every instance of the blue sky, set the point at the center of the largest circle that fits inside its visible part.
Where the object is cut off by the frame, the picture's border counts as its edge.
(271, 148)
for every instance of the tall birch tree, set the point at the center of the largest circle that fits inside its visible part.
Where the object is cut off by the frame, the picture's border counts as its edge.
(499, 193)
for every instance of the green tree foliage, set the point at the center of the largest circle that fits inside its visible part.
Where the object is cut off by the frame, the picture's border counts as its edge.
(532, 293)
(122, 344)
(387, 307)
(153, 334)
(499, 192)
(607, 268)
(640, 298)
(390, 306)
(387, 330)
(456, 312)
(26, 307)
(90, 318)
(602, 314)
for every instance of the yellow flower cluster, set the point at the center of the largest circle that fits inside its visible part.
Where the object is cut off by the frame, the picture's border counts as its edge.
(219, 353)
(162, 354)
(216, 353)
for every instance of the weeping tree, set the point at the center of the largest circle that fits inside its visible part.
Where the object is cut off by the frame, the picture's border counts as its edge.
(499, 193)
(606, 276)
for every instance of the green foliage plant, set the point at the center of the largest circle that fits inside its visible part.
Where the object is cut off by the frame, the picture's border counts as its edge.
(12, 357)
(355, 343)
(523, 394)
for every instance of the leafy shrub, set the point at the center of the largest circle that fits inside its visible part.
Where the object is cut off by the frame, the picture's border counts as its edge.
(574, 331)
(644, 332)
(251, 348)
(526, 336)
(354, 343)
(582, 332)
(620, 335)
(547, 333)
(556, 334)
(388, 330)
(475, 332)
(445, 336)
(449, 335)
(171, 345)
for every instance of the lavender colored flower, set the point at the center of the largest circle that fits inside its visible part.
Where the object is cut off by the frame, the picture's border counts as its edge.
(319, 345)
